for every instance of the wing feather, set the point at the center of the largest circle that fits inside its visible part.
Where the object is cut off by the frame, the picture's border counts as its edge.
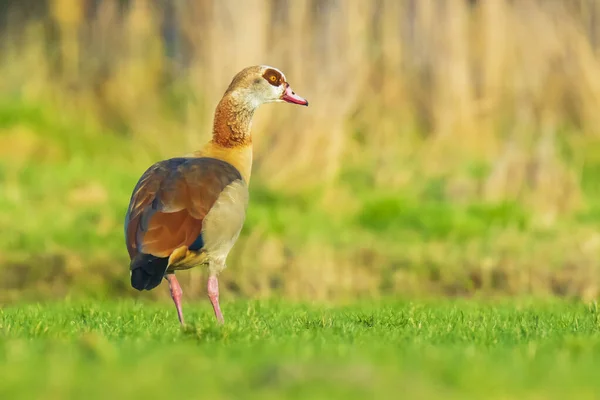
(170, 202)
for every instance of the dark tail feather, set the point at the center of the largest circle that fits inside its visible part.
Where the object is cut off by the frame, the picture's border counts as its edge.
(147, 271)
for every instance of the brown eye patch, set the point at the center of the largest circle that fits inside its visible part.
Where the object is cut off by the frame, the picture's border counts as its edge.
(273, 77)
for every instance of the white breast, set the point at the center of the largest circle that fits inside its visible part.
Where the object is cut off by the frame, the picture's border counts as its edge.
(223, 223)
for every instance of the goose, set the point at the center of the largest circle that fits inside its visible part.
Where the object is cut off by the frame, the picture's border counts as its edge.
(188, 211)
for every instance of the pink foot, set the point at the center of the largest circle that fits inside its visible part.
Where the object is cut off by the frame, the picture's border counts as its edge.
(176, 293)
(213, 295)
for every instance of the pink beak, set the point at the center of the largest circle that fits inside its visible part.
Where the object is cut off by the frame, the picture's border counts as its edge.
(292, 97)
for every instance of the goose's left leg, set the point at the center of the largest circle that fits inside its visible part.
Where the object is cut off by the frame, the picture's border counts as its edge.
(176, 294)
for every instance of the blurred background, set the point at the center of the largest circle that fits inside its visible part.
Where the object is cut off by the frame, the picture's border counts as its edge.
(450, 148)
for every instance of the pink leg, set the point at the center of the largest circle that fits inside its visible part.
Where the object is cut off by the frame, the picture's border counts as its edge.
(213, 295)
(176, 293)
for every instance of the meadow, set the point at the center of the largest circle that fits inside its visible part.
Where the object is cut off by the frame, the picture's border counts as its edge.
(427, 227)
(451, 150)
(273, 349)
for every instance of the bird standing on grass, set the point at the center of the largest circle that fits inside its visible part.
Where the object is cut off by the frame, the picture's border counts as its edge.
(189, 211)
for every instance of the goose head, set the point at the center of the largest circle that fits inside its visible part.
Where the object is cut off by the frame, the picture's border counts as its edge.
(263, 84)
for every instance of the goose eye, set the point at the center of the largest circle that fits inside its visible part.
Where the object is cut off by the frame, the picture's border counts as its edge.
(273, 77)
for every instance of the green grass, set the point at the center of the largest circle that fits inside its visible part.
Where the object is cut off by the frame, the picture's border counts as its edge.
(272, 350)
(66, 183)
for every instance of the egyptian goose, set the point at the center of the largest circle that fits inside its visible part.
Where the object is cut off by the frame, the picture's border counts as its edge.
(189, 211)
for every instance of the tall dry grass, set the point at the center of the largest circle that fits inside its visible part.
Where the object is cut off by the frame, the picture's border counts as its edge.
(449, 80)
(476, 76)
(400, 90)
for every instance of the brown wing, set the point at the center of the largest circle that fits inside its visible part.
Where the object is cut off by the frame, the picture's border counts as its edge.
(170, 201)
